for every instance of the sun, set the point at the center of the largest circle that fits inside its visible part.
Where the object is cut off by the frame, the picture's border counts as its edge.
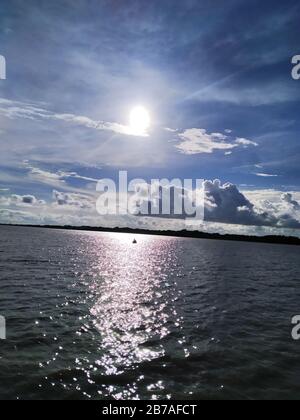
(139, 120)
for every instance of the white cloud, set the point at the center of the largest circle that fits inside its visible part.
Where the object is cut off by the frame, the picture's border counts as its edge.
(171, 130)
(245, 142)
(16, 200)
(44, 177)
(263, 175)
(195, 141)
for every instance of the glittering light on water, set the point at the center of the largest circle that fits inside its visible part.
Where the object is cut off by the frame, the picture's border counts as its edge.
(131, 307)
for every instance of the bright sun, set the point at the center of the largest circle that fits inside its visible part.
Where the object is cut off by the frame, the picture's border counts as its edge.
(139, 120)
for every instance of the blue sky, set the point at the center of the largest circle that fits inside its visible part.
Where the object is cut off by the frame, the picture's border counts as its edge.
(215, 77)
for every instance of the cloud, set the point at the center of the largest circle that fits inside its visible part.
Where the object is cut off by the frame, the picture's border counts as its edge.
(74, 200)
(171, 130)
(44, 177)
(63, 209)
(245, 142)
(16, 200)
(269, 94)
(197, 140)
(166, 200)
(17, 217)
(28, 199)
(263, 175)
(288, 198)
(226, 204)
(54, 178)
(22, 110)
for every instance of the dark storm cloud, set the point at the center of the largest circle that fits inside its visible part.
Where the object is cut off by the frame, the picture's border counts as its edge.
(226, 204)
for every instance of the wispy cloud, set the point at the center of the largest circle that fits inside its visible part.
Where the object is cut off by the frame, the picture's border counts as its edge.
(246, 142)
(54, 178)
(22, 110)
(268, 94)
(266, 175)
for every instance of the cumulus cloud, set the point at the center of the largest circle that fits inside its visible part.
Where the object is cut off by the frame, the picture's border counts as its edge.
(226, 204)
(20, 200)
(196, 141)
(74, 200)
(288, 198)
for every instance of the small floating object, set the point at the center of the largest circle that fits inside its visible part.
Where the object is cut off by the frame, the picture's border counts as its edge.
(134, 241)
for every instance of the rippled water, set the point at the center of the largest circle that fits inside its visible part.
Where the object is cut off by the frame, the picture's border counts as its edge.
(91, 315)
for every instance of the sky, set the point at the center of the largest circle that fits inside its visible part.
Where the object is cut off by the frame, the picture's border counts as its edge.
(214, 76)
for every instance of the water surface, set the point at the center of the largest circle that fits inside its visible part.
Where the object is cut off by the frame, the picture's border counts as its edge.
(93, 316)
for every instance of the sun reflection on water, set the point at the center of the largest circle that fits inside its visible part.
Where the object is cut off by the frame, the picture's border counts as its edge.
(131, 311)
(115, 316)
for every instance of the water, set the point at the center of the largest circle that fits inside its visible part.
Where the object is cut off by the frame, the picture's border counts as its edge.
(91, 315)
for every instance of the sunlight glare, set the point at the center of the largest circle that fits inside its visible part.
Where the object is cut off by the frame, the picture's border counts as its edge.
(139, 120)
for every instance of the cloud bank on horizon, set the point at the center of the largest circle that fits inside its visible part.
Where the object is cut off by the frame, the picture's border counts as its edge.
(224, 205)
(216, 79)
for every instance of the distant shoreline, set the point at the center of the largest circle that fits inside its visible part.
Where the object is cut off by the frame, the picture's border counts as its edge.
(270, 239)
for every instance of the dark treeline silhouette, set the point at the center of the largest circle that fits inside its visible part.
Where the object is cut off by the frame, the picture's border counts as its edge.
(287, 240)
